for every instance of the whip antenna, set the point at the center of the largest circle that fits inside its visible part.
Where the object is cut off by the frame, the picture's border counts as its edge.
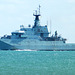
(50, 27)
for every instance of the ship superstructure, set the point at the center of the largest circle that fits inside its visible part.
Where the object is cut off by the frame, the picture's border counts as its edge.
(35, 38)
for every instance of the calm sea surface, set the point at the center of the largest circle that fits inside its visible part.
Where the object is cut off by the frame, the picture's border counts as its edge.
(37, 62)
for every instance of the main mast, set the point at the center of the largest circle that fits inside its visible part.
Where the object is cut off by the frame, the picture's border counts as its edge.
(37, 21)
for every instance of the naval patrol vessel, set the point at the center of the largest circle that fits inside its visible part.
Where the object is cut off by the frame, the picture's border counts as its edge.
(34, 38)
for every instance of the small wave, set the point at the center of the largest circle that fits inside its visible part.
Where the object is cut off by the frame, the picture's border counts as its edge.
(25, 50)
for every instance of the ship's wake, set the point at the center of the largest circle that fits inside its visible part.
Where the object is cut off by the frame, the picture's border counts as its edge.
(25, 50)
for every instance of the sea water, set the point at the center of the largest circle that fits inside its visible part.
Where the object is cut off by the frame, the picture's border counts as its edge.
(37, 62)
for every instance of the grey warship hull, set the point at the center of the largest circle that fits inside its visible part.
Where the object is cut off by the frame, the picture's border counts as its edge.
(35, 45)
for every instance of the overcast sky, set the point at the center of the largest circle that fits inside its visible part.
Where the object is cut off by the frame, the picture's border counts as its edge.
(14, 13)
